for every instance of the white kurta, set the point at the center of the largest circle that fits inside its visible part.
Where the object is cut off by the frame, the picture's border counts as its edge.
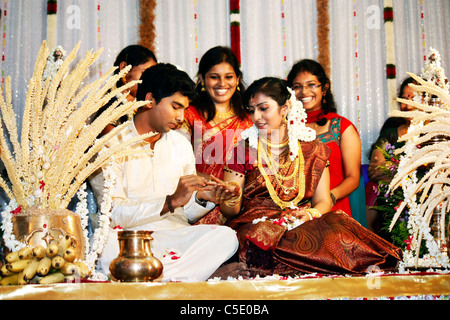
(188, 253)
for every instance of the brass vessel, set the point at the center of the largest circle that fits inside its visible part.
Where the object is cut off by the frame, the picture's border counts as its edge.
(135, 262)
(41, 226)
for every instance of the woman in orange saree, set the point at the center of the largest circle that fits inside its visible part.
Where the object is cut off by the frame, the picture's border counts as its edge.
(276, 195)
(216, 118)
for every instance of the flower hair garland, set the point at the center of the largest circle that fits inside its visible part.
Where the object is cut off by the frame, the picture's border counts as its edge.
(296, 124)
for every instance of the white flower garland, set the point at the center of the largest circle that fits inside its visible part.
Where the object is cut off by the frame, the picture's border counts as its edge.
(418, 225)
(100, 234)
(289, 224)
(296, 123)
(8, 233)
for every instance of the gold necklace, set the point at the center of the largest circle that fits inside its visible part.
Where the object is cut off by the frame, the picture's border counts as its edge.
(269, 158)
(300, 161)
(274, 145)
(274, 166)
(227, 114)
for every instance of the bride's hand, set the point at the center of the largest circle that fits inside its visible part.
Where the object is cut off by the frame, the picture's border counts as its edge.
(225, 190)
(298, 214)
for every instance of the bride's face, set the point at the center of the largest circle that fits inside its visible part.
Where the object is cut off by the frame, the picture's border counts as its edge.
(266, 114)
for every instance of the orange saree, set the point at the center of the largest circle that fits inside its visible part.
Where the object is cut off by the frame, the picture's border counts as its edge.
(212, 145)
(332, 244)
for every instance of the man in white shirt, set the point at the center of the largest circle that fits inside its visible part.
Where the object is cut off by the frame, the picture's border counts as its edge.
(159, 190)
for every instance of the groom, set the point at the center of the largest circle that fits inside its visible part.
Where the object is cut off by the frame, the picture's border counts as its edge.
(159, 190)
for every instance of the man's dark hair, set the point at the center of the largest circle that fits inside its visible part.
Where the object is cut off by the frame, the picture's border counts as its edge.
(164, 80)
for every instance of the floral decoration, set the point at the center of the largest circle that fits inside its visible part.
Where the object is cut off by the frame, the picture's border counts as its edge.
(423, 172)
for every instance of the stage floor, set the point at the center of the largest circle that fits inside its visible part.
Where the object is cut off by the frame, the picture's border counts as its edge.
(394, 286)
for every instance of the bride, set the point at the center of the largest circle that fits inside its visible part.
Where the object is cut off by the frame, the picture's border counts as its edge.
(276, 195)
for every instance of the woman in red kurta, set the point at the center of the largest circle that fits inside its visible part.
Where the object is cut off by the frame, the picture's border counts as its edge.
(312, 87)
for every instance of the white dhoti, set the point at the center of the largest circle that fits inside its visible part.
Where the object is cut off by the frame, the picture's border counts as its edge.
(190, 253)
(143, 182)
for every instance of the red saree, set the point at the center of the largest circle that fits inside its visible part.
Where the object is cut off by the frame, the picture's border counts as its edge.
(332, 244)
(212, 145)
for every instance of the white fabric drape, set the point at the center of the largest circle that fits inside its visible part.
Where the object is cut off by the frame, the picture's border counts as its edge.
(266, 38)
(25, 26)
(358, 66)
(186, 29)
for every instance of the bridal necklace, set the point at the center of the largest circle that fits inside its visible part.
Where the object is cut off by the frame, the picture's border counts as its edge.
(297, 176)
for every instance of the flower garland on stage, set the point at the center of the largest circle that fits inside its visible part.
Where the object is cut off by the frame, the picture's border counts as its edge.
(426, 194)
(3, 15)
(422, 28)
(101, 233)
(147, 27)
(355, 25)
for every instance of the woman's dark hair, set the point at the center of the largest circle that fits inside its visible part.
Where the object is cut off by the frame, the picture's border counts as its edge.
(404, 84)
(316, 69)
(163, 80)
(134, 55)
(203, 101)
(271, 87)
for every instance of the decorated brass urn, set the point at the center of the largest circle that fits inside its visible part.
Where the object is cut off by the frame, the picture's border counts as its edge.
(135, 262)
(36, 227)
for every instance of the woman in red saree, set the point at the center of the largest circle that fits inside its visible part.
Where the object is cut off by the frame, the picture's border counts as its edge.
(216, 117)
(312, 87)
(276, 194)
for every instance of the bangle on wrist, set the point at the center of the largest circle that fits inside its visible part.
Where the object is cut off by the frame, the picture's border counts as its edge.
(169, 204)
(313, 213)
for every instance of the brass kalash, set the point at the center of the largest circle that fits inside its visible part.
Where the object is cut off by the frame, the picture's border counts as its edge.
(135, 262)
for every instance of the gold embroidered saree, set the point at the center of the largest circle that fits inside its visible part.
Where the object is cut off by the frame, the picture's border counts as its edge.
(332, 244)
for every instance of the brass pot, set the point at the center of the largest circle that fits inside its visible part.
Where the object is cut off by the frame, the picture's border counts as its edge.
(41, 226)
(135, 262)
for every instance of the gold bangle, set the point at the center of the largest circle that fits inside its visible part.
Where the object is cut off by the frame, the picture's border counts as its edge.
(235, 200)
(313, 213)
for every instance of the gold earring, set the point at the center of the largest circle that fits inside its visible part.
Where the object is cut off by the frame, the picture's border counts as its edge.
(203, 88)
(124, 79)
(237, 85)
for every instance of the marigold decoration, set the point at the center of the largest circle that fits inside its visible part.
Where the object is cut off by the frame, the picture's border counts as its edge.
(428, 193)
(323, 34)
(147, 27)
